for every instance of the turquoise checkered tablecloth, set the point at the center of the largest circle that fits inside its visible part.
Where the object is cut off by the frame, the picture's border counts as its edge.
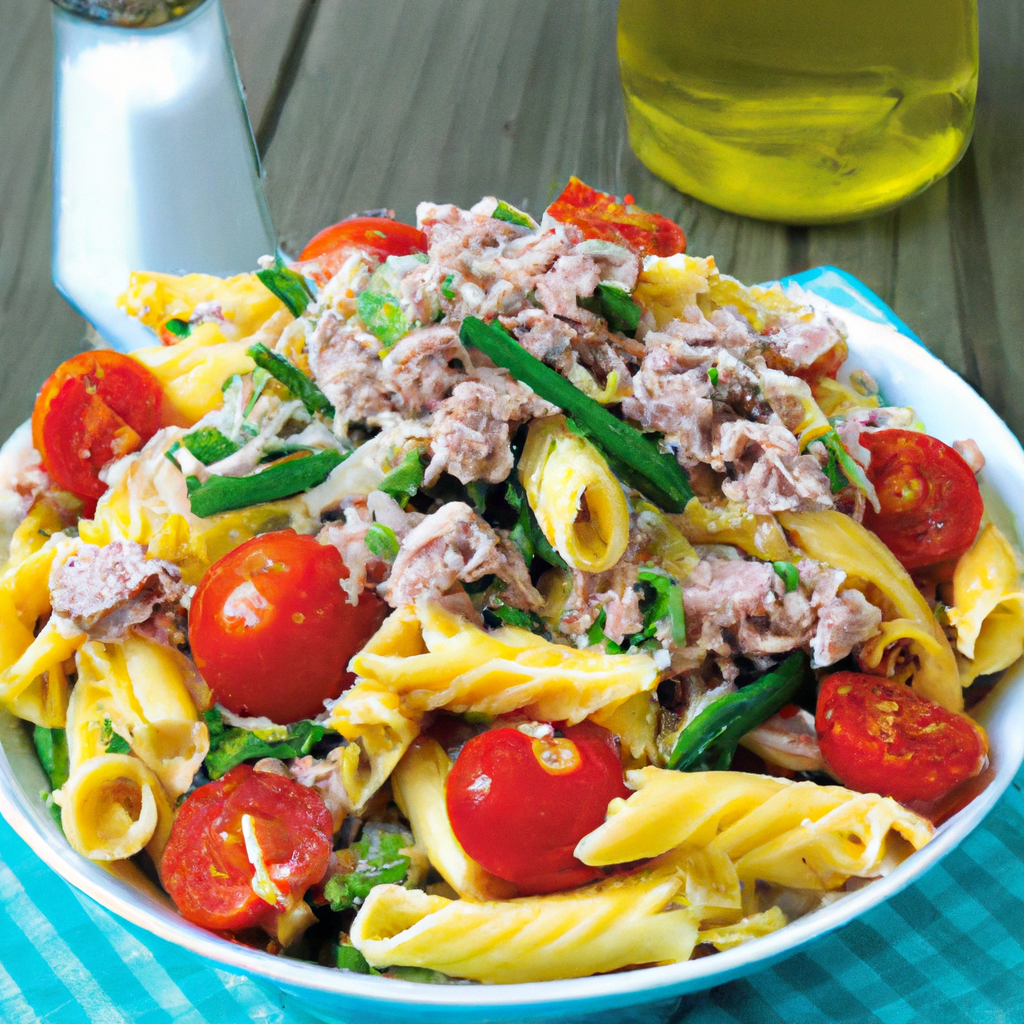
(949, 949)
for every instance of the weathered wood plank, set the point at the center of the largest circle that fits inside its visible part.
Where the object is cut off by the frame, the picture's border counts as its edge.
(925, 294)
(988, 237)
(261, 34)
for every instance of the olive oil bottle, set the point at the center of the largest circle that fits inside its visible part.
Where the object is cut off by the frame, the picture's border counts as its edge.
(803, 111)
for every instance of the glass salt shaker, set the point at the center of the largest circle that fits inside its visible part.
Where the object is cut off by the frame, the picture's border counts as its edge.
(154, 163)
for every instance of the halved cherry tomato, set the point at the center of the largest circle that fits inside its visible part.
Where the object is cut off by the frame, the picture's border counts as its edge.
(95, 407)
(600, 215)
(377, 236)
(931, 505)
(206, 867)
(518, 805)
(878, 736)
(272, 631)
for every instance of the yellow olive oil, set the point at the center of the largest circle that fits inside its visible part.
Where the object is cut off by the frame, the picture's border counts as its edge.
(803, 111)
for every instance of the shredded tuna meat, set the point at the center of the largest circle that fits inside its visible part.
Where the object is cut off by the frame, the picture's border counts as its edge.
(365, 569)
(471, 431)
(771, 474)
(346, 366)
(102, 591)
(971, 454)
(324, 776)
(787, 740)
(799, 341)
(735, 606)
(455, 545)
(423, 368)
(615, 591)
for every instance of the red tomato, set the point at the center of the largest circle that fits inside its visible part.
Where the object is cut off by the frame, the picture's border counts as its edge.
(518, 805)
(931, 505)
(206, 868)
(272, 631)
(878, 736)
(599, 215)
(377, 236)
(94, 408)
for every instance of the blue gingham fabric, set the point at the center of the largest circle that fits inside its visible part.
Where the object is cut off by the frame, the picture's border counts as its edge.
(948, 950)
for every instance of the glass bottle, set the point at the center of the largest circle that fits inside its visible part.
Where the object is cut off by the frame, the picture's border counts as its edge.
(154, 163)
(800, 111)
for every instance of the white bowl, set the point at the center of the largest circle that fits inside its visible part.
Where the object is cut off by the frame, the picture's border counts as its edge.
(909, 375)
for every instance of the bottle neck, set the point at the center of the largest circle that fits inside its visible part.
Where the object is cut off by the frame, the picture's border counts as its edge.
(129, 13)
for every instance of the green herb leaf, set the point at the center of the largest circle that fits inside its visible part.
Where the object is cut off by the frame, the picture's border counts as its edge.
(837, 481)
(383, 317)
(278, 480)
(179, 328)
(288, 286)
(405, 479)
(231, 746)
(380, 861)
(619, 309)
(113, 743)
(709, 742)
(527, 534)
(635, 457)
(505, 615)
(668, 603)
(209, 445)
(478, 491)
(507, 212)
(713, 376)
(52, 748)
(259, 382)
(301, 386)
(789, 574)
(348, 958)
(382, 541)
(446, 287)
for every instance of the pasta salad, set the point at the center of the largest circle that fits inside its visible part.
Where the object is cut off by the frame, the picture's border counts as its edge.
(496, 601)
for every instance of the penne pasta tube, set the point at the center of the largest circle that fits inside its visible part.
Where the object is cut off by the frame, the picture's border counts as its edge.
(113, 806)
(579, 504)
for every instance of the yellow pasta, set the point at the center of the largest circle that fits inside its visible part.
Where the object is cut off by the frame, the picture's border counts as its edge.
(140, 686)
(113, 806)
(243, 301)
(798, 835)
(839, 541)
(616, 923)
(668, 284)
(759, 536)
(462, 668)
(418, 786)
(731, 935)
(193, 370)
(635, 722)
(579, 504)
(988, 606)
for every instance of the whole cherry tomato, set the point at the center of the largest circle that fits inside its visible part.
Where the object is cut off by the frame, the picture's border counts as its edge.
(272, 631)
(878, 736)
(519, 805)
(208, 867)
(377, 236)
(94, 408)
(600, 215)
(930, 503)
